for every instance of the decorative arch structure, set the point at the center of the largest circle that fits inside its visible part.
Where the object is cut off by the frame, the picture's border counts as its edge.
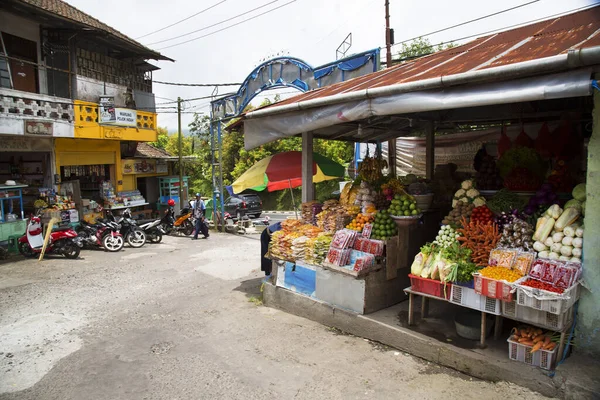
(292, 72)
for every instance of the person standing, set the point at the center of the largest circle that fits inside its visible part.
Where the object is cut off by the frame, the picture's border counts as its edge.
(266, 265)
(199, 210)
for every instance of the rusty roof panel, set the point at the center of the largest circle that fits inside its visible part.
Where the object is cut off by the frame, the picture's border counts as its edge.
(539, 40)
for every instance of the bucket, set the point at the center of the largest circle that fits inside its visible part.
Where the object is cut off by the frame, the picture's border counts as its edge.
(423, 201)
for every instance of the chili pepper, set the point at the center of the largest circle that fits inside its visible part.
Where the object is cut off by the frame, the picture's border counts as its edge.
(542, 285)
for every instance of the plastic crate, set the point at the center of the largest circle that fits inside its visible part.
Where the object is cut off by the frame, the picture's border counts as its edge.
(543, 319)
(547, 301)
(493, 288)
(467, 297)
(430, 287)
(541, 358)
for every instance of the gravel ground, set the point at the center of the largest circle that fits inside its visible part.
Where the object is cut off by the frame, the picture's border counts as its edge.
(183, 320)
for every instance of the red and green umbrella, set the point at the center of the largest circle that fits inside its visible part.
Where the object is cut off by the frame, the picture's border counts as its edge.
(284, 170)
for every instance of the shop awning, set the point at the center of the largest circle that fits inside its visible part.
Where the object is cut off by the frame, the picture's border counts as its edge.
(332, 121)
(542, 61)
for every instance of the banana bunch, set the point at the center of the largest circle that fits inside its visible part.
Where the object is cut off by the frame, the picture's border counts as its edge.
(370, 169)
(40, 204)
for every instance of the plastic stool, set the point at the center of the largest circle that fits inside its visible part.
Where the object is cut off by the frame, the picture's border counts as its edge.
(13, 244)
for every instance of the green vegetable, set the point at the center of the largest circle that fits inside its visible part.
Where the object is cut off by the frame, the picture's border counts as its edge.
(456, 253)
(462, 271)
(504, 200)
(568, 216)
(573, 203)
(521, 157)
(579, 192)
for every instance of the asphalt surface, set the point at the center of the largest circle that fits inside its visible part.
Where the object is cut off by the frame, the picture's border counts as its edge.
(183, 320)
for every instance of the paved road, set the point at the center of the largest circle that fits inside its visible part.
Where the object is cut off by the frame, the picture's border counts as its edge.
(182, 320)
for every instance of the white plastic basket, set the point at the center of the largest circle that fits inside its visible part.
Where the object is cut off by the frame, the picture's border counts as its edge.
(541, 358)
(467, 297)
(539, 318)
(547, 301)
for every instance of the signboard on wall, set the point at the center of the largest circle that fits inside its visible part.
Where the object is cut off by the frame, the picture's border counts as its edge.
(106, 109)
(33, 127)
(126, 117)
(139, 167)
(25, 144)
(162, 167)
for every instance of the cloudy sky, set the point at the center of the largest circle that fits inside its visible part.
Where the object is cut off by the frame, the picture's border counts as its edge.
(307, 29)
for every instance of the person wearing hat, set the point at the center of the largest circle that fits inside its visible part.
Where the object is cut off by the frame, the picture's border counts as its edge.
(199, 210)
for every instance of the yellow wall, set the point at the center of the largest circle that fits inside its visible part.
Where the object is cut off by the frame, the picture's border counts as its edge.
(86, 127)
(90, 152)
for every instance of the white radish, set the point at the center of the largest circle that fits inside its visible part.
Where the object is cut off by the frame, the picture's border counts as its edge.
(566, 250)
(553, 256)
(579, 232)
(549, 242)
(539, 246)
(557, 237)
(577, 252)
(576, 260)
(578, 242)
(556, 247)
(567, 241)
(544, 254)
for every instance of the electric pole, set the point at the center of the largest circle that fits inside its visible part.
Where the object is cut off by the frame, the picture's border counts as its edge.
(180, 147)
(388, 56)
(388, 35)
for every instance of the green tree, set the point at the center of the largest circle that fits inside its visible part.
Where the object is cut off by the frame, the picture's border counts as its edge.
(163, 138)
(420, 47)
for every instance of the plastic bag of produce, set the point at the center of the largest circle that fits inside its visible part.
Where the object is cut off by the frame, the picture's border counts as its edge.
(418, 263)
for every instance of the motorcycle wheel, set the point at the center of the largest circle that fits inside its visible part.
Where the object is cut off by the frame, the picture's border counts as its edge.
(26, 250)
(113, 244)
(188, 229)
(71, 250)
(136, 238)
(156, 237)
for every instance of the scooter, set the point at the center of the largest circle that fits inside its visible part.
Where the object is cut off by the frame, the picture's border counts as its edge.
(133, 234)
(154, 230)
(184, 223)
(63, 241)
(103, 234)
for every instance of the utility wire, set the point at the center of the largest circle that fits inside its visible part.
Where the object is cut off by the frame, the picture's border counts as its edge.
(180, 21)
(197, 84)
(215, 24)
(467, 22)
(507, 27)
(230, 26)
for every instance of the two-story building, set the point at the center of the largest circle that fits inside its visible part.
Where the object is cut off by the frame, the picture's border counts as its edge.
(75, 98)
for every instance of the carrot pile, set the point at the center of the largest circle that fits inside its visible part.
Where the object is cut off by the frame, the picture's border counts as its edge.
(533, 337)
(479, 238)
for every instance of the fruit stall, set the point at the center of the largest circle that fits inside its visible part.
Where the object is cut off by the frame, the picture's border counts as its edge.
(351, 252)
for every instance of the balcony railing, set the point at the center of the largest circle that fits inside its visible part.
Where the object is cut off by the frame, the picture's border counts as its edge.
(87, 115)
(18, 103)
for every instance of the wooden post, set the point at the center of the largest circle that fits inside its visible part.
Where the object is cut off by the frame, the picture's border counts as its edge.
(483, 329)
(392, 156)
(308, 189)
(411, 308)
(430, 150)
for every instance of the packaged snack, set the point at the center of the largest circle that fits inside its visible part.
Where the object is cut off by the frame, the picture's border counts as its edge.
(537, 269)
(549, 271)
(523, 261)
(502, 257)
(564, 276)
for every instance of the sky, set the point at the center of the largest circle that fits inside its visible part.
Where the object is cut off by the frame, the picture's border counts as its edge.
(307, 29)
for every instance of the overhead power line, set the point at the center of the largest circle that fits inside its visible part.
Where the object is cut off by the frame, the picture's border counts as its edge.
(230, 26)
(215, 24)
(506, 27)
(180, 21)
(197, 84)
(467, 22)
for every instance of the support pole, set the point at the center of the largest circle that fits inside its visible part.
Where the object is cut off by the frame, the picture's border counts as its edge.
(293, 200)
(388, 35)
(221, 188)
(308, 189)
(179, 150)
(430, 150)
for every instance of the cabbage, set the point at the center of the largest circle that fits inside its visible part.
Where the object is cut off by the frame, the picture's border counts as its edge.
(566, 250)
(479, 201)
(577, 252)
(578, 242)
(576, 260)
(573, 204)
(543, 254)
(579, 192)
(466, 185)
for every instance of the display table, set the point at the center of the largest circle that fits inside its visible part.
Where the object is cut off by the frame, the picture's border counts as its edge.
(363, 295)
(130, 206)
(9, 193)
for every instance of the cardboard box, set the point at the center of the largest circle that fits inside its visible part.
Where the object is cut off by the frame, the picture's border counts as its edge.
(85, 202)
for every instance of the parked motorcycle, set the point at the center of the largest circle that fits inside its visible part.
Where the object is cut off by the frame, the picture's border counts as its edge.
(153, 230)
(132, 233)
(182, 224)
(63, 241)
(103, 234)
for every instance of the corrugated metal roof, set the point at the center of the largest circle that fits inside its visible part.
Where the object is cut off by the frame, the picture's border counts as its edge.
(539, 40)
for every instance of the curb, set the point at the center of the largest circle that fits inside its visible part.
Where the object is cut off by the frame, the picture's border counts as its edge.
(280, 212)
(466, 361)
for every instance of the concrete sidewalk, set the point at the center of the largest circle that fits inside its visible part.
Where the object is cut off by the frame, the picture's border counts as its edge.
(577, 378)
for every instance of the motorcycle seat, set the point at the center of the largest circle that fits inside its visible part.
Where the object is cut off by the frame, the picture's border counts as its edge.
(62, 229)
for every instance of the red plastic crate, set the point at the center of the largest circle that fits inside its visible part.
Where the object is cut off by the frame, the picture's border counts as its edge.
(430, 287)
(493, 288)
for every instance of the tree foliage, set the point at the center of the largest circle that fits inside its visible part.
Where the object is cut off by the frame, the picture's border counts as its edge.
(421, 46)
